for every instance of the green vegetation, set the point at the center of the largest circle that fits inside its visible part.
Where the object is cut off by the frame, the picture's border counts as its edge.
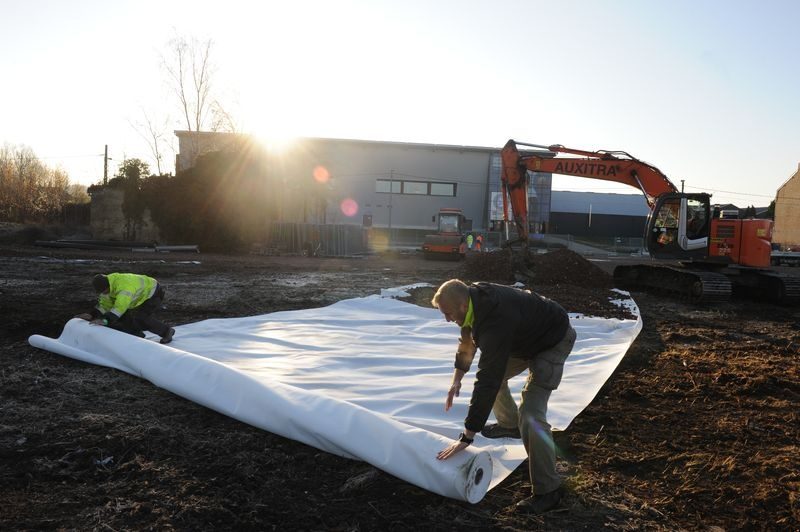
(221, 204)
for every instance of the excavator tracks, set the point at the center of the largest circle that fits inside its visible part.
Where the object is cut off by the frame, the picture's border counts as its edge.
(704, 286)
(779, 288)
(695, 285)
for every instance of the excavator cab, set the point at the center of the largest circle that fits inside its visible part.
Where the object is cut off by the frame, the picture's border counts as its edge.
(678, 227)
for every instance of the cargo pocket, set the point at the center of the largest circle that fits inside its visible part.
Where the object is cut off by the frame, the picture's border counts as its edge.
(548, 366)
(547, 374)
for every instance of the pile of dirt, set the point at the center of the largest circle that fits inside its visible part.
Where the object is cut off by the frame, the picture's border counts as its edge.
(567, 267)
(563, 275)
(492, 267)
(557, 267)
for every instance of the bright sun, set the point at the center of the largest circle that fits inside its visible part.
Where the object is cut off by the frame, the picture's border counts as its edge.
(274, 126)
(275, 143)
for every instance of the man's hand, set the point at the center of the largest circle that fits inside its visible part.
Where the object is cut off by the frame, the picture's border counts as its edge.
(98, 321)
(85, 316)
(454, 391)
(455, 388)
(457, 446)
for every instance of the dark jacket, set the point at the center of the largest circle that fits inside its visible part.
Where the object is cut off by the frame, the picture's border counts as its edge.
(509, 322)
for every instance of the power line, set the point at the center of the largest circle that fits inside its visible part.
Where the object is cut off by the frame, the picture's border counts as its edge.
(705, 189)
(745, 193)
(69, 156)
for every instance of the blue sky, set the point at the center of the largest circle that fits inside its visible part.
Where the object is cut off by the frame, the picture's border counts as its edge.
(705, 90)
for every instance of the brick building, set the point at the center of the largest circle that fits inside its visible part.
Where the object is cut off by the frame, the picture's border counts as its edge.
(787, 212)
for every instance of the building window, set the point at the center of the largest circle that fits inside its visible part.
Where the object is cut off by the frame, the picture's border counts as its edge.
(382, 185)
(418, 188)
(415, 187)
(443, 189)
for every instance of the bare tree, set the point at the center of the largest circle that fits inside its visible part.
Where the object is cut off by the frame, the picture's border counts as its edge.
(187, 68)
(28, 174)
(155, 134)
(222, 120)
(191, 71)
(6, 181)
(29, 190)
(78, 194)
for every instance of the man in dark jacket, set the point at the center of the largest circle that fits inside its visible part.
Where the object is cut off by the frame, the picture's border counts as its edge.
(515, 330)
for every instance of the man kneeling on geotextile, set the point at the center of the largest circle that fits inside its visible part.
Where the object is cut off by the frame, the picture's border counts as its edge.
(515, 330)
(126, 302)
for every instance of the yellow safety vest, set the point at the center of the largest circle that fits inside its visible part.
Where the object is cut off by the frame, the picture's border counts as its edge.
(126, 291)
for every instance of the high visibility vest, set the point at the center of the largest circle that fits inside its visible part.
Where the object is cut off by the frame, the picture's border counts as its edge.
(126, 291)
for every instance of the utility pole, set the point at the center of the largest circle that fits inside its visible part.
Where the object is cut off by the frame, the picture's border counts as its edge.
(105, 166)
(681, 186)
(391, 186)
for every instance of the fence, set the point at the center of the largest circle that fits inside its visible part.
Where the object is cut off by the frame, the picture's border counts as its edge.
(330, 240)
(338, 240)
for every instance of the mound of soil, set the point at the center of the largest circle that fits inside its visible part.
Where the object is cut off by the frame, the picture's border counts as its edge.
(563, 275)
(560, 266)
(563, 266)
(492, 267)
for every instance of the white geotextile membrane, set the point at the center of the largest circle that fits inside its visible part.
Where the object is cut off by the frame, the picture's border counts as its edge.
(363, 378)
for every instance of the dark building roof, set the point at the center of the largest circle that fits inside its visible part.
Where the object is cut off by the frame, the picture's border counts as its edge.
(600, 203)
(619, 204)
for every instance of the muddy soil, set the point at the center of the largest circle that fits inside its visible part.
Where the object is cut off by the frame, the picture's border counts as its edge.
(698, 428)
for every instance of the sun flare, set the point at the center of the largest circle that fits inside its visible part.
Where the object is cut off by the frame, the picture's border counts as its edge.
(275, 143)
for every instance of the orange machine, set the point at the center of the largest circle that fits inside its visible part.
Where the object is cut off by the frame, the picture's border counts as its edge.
(745, 242)
(717, 254)
(448, 242)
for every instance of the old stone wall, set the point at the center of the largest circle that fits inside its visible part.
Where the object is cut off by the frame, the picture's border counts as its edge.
(108, 221)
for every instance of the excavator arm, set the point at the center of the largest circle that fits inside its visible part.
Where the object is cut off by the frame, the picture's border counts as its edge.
(614, 166)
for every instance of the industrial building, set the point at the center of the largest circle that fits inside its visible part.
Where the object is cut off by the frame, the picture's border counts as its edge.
(392, 187)
(397, 188)
(593, 214)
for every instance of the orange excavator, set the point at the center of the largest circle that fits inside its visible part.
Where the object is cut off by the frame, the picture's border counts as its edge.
(717, 255)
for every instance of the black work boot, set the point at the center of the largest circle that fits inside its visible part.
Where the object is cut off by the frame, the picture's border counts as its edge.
(167, 338)
(494, 430)
(539, 504)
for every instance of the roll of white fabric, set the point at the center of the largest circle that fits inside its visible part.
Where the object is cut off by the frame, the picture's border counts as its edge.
(364, 378)
(323, 422)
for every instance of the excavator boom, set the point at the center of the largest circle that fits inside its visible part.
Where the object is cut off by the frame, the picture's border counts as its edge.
(616, 166)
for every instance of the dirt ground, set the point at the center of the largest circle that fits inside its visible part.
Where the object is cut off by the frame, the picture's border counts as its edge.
(697, 429)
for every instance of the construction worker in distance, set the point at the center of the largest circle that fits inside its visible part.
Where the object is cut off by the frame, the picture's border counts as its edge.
(479, 243)
(470, 241)
(126, 302)
(516, 330)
